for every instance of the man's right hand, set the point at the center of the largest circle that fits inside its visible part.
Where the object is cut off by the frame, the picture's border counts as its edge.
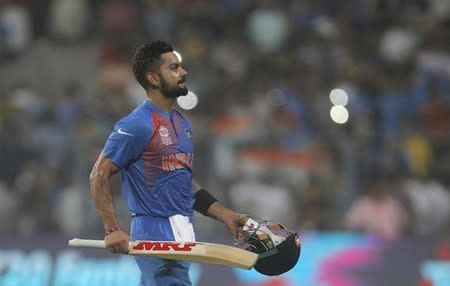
(117, 241)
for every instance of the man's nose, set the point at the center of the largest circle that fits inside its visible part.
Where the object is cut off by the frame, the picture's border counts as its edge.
(183, 72)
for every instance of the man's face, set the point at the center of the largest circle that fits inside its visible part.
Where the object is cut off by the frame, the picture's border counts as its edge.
(172, 76)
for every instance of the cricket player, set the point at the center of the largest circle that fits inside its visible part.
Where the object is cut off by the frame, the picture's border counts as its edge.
(152, 148)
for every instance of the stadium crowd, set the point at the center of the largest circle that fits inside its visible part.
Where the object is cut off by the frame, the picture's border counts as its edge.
(263, 72)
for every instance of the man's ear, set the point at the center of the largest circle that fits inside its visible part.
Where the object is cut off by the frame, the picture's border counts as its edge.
(153, 79)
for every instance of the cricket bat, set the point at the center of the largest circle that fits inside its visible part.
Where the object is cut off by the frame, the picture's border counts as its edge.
(201, 252)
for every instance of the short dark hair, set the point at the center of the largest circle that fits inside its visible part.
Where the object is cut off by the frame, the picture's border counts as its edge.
(147, 58)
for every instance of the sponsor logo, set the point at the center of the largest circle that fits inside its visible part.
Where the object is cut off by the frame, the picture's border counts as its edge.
(164, 246)
(120, 131)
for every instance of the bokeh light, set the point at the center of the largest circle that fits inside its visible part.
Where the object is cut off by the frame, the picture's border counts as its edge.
(180, 58)
(189, 101)
(339, 114)
(339, 96)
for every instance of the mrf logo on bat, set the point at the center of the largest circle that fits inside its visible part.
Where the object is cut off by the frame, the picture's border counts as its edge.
(163, 246)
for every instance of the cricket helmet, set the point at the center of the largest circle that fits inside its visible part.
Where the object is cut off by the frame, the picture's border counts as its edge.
(278, 248)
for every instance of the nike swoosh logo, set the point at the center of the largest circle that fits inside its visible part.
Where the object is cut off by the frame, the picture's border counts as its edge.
(123, 132)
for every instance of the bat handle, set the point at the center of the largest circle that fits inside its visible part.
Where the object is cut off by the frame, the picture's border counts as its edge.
(91, 243)
(77, 242)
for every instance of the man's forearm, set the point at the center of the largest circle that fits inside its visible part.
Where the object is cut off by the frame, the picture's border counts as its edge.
(216, 210)
(103, 198)
(221, 213)
(206, 204)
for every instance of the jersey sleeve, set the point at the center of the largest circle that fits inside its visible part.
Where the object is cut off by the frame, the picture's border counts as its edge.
(127, 142)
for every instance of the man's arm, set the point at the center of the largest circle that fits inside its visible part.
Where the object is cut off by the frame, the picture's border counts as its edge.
(208, 205)
(100, 180)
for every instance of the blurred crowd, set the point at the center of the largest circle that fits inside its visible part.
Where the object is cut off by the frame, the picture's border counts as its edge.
(263, 72)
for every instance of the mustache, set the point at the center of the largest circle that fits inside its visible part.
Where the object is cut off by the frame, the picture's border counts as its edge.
(183, 80)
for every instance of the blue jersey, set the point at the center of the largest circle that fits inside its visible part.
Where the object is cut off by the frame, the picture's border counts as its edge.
(154, 151)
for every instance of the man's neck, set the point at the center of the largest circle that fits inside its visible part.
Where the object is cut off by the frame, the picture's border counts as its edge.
(165, 103)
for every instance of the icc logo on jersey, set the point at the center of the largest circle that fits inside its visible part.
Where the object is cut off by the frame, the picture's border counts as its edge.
(165, 136)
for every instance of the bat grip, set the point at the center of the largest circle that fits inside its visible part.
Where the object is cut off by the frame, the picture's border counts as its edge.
(77, 242)
(91, 243)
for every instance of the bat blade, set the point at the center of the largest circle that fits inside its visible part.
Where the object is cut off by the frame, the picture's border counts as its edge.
(201, 252)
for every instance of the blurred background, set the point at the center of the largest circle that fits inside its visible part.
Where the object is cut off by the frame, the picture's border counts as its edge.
(332, 117)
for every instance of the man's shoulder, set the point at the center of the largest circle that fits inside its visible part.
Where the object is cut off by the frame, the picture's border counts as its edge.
(140, 114)
(137, 121)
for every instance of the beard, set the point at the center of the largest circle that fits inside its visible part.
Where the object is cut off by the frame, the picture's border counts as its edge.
(172, 91)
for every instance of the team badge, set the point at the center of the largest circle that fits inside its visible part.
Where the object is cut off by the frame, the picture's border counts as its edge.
(188, 134)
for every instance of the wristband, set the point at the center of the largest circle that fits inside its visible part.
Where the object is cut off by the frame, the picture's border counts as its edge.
(111, 230)
(203, 200)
